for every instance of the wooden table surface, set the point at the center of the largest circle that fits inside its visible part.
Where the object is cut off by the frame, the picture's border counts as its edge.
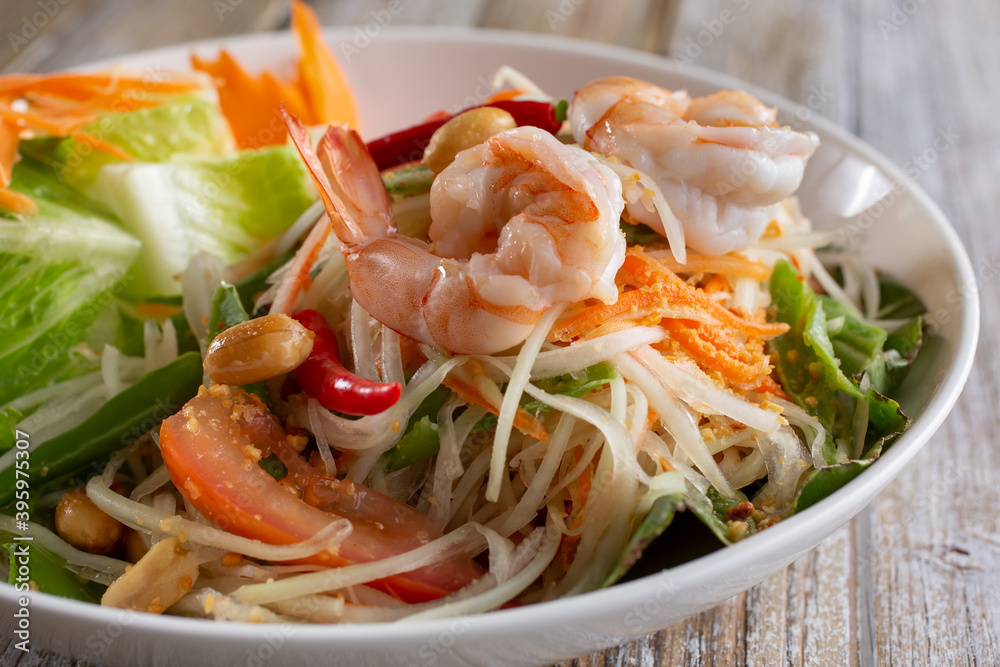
(914, 580)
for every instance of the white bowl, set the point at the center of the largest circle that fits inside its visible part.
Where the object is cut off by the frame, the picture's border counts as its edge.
(402, 75)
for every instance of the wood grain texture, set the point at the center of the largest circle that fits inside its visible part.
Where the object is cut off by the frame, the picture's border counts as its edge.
(916, 578)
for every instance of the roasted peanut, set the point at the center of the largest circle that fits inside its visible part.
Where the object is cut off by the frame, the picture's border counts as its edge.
(158, 580)
(82, 524)
(259, 349)
(464, 131)
(133, 546)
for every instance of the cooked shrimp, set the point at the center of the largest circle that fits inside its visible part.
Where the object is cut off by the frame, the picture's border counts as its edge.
(519, 223)
(721, 161)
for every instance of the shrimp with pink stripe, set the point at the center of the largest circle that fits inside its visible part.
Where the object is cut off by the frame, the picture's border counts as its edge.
(520, 223)
(722, 162)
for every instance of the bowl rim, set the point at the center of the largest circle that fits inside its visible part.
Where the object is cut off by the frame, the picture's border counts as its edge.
(781, 537)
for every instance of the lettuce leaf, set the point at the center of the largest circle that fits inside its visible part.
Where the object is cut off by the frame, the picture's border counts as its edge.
(58, 270)
(227, 206)
(183, 125)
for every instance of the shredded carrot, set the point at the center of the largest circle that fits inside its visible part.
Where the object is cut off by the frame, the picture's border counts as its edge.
(321, 80)
(637, 307)
(743, 364)
(249, 103)
(252, 103)
(157, 310)
(15, 202)
(8, 151)
(61, 104)
(87, 86)
(646, 271)
(658, 293)
(474, 387)
(11, 201)
(59, 125)
(717, 283)
(504, 95)
(97, 143)
(567, 550)
(718, 339)
(769, 386)
(729, 265)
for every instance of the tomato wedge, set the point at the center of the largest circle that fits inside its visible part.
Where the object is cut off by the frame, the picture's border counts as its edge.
(210, 449)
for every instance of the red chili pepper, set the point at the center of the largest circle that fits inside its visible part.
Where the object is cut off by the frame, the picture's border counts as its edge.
(324, 378)
(408, 145)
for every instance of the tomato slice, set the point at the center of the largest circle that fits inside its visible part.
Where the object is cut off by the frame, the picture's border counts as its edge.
(211, 448)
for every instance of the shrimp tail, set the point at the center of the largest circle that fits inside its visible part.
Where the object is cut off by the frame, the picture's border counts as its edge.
(343, 226)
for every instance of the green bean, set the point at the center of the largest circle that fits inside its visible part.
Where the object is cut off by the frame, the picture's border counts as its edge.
(123, 419)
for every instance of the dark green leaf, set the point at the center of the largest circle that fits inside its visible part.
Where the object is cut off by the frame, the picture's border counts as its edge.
(652, 526)
(885, 421)
(48, 572)
(804, 356)
(273, 466)
(640, 234)
(897, 302)
(561, 110)
(901, 348)
(419, 443)
(856, 343)
(821, 483)
(227, 311)
(704, 509)
(9, 417)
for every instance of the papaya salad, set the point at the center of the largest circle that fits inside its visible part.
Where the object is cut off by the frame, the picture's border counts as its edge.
(257, 368)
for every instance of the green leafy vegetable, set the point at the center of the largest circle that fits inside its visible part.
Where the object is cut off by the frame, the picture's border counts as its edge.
(227, 311)
(821, 483)
(184, 125)
(126, 417)
(856, 343)
(897, 302)
(48, 572)
(885, 421)
(9, 417)
(226, 206)
(420, 442)
(804, 356)
(657, 520)
(273, 466)
(58, 270)
(901, 348)
(827, 340)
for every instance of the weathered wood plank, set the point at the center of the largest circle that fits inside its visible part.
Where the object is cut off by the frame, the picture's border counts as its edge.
(923, 563)
(934, 532)
(88, 30)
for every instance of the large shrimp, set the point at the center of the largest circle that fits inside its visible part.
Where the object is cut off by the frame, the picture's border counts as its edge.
(519, 223)
(722, 162)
